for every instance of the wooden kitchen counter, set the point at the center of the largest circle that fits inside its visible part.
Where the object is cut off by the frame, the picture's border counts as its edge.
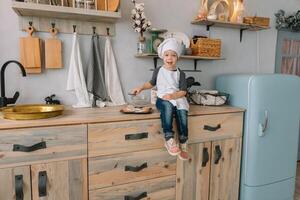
(72, 116)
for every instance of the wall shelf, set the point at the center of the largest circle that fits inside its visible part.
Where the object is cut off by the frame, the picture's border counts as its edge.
(43, 15)
(241, 26)
(185, 57)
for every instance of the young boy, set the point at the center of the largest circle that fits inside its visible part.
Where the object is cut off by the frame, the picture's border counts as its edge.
(171, 91)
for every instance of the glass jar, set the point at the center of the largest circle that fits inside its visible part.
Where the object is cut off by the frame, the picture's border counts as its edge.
(141, 45)
(90, 4)
(79, 3)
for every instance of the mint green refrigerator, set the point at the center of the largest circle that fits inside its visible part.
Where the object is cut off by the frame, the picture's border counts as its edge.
(271, 131)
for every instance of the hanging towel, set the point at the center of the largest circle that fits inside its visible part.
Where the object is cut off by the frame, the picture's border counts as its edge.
(76, 81)
(95, 73)
(112, 80)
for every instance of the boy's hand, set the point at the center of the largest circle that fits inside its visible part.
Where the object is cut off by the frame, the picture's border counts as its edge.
(168, 97)
(136, 91)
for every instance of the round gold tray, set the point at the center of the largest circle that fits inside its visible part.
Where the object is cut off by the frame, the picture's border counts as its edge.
(32, 111)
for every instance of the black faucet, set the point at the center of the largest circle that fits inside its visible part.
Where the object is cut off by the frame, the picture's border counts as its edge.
(4, 100)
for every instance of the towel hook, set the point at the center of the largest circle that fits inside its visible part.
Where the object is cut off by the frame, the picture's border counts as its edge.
(30, 23)
(107, 31)
(74, 28)
(94, 30)
(53, 25)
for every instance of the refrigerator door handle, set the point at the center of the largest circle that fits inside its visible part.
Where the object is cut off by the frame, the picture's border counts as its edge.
(263, 127)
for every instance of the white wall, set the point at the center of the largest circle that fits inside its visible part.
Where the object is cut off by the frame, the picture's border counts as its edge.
(255, 54)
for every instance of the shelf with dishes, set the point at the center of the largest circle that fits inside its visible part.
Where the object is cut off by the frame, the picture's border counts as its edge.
(65, 14)
(241, 26)
(184, 57)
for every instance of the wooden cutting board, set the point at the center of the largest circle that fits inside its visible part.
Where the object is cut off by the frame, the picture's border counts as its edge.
(53, 57)
(30, 52)
(108, 5)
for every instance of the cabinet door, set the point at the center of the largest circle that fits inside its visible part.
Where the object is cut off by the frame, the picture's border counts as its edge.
(15, 183)
(63, 180)
(193, 175)
(225, 169)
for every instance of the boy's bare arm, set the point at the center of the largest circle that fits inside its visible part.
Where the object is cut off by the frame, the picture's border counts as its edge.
(174, 95)
(146, 86)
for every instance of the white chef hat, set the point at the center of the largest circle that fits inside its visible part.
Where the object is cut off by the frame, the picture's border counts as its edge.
(169, 44)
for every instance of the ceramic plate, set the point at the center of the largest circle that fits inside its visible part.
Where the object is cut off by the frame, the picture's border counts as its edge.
(179, 36)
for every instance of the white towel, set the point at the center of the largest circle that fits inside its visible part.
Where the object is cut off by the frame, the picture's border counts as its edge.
(76, 81)
(112, 80)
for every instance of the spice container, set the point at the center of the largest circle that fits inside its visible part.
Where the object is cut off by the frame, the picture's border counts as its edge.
(79, 3)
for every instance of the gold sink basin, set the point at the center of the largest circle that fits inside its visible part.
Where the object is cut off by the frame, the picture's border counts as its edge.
(32, 111)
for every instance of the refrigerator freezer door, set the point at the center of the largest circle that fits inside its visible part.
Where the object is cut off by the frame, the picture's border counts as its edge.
(271, 141)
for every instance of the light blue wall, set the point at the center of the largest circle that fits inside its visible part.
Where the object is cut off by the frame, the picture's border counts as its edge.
(255, 54)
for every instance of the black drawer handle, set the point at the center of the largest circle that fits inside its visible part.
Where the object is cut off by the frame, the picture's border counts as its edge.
(137, 168)
(136, 136)
(218, 154)
(142, 195)
(40, 145)
(205, 157)
(212, 128)
(19, 187)
(42, 184)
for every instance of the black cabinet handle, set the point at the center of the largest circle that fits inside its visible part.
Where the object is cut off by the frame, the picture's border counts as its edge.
(137, 168)
(40, 145)
(136, 136)
(142, 195)
(205, 157)
(19, 187)
(212, 128)
(218, 154)
(42, 184)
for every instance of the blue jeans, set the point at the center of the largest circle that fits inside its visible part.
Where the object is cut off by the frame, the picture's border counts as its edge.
(167, 111)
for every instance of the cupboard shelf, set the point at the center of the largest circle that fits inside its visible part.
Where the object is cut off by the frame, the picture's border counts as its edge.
(241, 26)
(70, 13)
(185, 57)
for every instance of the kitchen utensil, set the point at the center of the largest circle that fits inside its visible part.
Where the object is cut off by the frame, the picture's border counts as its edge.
(53, 57)
(32, 111)
(179, 36)
(30, 52)
(108, 5)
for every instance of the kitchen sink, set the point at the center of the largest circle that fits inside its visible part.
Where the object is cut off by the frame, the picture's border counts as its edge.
(32, 111)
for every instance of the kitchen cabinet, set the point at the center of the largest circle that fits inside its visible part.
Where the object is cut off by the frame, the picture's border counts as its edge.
(65, 180)
(126, 159)
(102, 154)
(212, 172)
(15, 183)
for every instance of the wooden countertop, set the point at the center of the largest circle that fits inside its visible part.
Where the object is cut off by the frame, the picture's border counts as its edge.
(73, 116)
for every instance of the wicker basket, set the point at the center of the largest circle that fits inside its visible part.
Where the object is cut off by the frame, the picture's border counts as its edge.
(206, 47)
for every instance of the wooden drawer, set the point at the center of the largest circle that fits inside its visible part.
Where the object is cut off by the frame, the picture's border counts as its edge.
(126, 168)
(215, 127)
(154, 189)
(114, 138)
(38, 145)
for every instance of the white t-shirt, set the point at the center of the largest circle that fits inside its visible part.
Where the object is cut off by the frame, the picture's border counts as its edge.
(168, 82)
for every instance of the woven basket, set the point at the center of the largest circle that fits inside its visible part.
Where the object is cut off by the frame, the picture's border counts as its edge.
(206, 47)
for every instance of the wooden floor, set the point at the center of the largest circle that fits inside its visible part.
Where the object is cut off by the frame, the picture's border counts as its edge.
(297, 190)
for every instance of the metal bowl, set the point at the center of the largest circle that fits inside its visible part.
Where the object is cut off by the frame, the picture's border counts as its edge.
(32, 111)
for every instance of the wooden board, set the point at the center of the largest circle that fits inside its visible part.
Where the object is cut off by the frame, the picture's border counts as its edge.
(53, 51)
(66, 180)
(61, 143)
(108, 171)
(157, 189)
(192, 179)
(7, 177)
(30, 52)
(225, 175)
(108, 5)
